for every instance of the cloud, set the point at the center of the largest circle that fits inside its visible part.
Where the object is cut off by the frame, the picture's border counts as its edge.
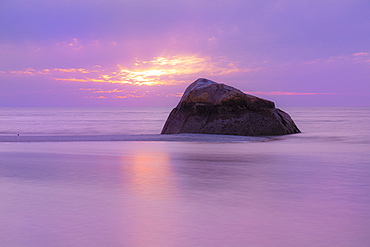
(361, 54)
(286, 28)
(157, 71)
(119, 94)
(260, 46)
(106, 91)
(284, 93)
(92, 97)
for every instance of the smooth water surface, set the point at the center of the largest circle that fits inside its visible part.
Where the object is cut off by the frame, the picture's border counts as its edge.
(309, 189)
(82, 121)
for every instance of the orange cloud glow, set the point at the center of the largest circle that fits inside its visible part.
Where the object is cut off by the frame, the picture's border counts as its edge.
(28, 71)
(158, 71)
(92, 97)
(173, 70)
(110, 91)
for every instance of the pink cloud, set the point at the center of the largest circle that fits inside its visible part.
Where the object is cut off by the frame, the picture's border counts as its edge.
(92, 97)
(284, 93)
(157, 71)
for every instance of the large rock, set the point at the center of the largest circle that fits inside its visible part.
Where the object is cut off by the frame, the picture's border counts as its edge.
(208, 107)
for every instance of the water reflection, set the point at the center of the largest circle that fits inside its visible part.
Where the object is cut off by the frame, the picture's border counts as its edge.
(149, 173)
(150, 180)
(280, 193)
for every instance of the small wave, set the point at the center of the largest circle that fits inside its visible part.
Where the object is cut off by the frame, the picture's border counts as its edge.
(141, 138)
(327, 138)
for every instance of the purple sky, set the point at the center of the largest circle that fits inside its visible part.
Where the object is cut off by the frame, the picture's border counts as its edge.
(145, 53)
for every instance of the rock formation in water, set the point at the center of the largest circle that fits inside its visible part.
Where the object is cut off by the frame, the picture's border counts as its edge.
(208, 107)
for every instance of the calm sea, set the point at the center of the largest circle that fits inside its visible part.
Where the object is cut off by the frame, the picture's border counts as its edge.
(82, 121)
(106, 177)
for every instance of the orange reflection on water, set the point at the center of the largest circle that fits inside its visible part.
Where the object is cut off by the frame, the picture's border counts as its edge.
(150, 173)
(150, 181)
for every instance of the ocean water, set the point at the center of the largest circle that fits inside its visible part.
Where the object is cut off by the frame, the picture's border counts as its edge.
(105, 177)
(82, 121)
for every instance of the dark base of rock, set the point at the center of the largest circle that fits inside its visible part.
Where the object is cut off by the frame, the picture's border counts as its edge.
(212, 108)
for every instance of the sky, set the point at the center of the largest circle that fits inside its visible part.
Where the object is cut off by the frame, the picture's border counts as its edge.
(123, 53)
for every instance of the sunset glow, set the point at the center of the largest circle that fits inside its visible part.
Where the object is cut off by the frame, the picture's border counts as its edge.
(283, 93)
(152, 51)
(150, 173)
(158, 71)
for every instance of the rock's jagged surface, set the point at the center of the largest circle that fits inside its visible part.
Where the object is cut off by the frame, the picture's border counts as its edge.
(208, 107)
